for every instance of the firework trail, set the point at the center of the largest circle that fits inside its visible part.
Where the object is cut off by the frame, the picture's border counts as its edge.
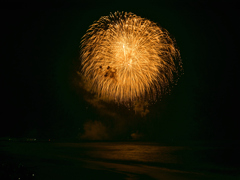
(126, 58)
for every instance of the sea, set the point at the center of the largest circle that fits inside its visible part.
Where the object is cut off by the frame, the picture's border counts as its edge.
(117, 160)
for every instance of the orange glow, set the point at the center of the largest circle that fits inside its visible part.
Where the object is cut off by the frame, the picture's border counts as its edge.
(126, 58)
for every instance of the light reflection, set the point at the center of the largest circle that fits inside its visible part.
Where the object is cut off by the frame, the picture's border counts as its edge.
(137, 152)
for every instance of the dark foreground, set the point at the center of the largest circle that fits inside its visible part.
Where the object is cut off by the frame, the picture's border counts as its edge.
(121, 160)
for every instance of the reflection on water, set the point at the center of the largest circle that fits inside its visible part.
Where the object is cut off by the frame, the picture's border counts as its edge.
(148, 153)
(194, 158)
(136, 152)
(183, 158)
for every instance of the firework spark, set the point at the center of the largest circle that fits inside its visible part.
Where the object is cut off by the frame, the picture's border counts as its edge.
(127, 58)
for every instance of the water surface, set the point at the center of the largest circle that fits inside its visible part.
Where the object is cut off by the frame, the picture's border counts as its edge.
(125, 160)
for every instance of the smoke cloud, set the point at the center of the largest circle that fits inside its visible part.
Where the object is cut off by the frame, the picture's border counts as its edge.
(94, 130)
(141, 107)
(114, 122)
(137, 136)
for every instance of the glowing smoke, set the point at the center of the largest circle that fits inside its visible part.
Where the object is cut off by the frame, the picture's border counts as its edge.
(94, 130)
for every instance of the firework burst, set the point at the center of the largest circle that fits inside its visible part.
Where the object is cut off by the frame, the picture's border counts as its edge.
(127, 58)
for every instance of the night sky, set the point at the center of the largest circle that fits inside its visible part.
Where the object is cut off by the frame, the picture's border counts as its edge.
(42, 95)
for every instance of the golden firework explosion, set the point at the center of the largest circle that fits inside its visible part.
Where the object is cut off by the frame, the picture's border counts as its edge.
(127, 58)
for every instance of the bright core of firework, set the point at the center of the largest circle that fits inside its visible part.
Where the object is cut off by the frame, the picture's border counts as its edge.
(126, 58)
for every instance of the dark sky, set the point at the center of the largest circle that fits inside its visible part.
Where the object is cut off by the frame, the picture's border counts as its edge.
(41, 96)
